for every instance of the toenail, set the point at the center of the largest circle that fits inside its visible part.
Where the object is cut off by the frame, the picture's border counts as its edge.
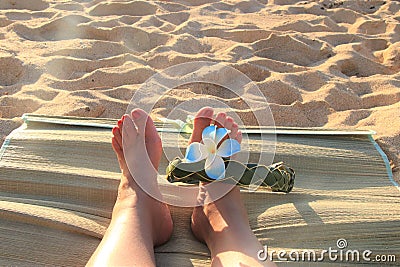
(135, 114)
(208, 112)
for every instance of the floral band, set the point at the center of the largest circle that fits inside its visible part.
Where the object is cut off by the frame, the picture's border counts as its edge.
(206, 161)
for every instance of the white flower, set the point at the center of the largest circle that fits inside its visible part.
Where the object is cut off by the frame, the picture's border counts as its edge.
(211, 137)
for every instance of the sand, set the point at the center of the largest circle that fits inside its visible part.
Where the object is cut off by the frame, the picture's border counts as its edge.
(330, 64)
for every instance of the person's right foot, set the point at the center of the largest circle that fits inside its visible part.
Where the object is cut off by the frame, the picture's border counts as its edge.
(143, 146)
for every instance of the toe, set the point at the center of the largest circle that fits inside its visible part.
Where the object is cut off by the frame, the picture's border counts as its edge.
(202, 119)
(220, 119)
(239, 137)
(139, 117)
(145, 125)
(116, 147)
(151, 131)
(117, 135)
(228, 123)
(234, 131)
(128, 128)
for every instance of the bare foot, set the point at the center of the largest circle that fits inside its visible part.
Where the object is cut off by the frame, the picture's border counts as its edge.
(223, 224)
(140, 138)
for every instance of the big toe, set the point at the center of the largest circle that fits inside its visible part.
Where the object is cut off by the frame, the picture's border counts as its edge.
(139, 117)
(202, 119)
(145, 125)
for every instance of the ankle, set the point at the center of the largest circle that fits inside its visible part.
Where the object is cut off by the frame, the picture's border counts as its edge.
(151, 212)
(211, 226)
(238, 235)
(223, 225)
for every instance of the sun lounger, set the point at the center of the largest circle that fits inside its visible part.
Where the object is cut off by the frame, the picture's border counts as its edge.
(59, 175)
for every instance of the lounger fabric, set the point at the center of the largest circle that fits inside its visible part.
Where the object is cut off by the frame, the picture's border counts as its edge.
(59, 175)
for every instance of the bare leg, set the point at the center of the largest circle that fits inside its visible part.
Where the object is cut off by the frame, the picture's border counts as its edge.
(139, 222)
(223, 225)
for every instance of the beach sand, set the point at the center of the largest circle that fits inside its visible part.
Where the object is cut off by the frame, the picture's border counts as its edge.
(330, 64)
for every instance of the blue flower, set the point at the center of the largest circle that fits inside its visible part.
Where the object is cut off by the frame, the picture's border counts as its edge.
(209, 150)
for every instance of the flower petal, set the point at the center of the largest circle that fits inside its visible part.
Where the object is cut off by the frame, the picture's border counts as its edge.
(215, 167)
(196, 152)
(209, 132)
(220, 134)
(228, 148)
(210, 145)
